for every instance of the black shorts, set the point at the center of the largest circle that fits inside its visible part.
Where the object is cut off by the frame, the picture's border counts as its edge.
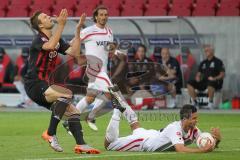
(35, 90)
(202, 85)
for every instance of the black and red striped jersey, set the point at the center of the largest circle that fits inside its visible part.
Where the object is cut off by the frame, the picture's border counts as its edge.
(41, 62)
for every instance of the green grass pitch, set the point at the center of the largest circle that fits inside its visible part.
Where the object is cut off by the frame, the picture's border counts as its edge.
(20, 137)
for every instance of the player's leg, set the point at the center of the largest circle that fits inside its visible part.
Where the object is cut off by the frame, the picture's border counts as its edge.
(73, 117)
(191, 91)
(61, 99)
(85, 102)
(63, 108)
(112, 131)
(100, 102)
(123, 106)
(211, 90)
(24, 98)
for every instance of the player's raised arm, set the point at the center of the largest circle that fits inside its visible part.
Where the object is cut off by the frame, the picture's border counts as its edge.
(54, 39)
(75, 48)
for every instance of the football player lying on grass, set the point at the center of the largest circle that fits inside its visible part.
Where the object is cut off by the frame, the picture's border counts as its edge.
(175, 136)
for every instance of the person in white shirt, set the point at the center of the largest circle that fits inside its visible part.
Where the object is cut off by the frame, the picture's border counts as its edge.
(174, 136)
(98, 40)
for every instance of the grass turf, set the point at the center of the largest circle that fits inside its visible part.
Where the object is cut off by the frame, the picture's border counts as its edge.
(20, 137)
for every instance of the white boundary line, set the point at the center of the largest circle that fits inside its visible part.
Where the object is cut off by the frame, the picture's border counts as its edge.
(102, 156)
(119, 155)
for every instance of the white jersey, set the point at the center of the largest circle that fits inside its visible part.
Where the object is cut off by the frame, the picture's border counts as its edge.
(154, 140)
(96, 40)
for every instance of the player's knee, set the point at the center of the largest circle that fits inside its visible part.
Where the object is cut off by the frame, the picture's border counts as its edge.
(90, 99)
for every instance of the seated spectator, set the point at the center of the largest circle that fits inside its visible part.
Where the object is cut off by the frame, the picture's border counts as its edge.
(187, 63)
(141, 64)
(118, 69)
(20, 71)
(156, 56)
(170, 72)
(210, 76)
(6, 69)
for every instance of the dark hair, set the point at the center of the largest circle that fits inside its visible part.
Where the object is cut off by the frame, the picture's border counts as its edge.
(187, 110)
(95, 11)
(142, 46)
(34, 20)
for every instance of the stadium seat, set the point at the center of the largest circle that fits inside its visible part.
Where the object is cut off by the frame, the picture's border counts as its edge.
(180, 10)
(132, 10)
(2, 13)
(46, 2)
(157, 2)
(42, 7)
(21, 11)
(90, 2)
(5, 2)
(204, 10)
(113, 6)
(155, 10)
(229, 8)
(21, 2)
(85, 8)
(113, 10)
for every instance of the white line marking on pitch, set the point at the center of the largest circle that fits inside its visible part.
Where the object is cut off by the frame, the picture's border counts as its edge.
(102, 156)
(120, 155)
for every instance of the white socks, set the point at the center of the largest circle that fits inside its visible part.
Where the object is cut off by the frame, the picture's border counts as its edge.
(20, 87)
(112, 131)
(98, 105)
(129, 114)
(82, 105)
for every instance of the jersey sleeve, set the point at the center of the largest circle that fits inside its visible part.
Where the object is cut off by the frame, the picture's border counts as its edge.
(175, 135)
(63, 46)
(221, 66)
(38, 43)
(84, 35)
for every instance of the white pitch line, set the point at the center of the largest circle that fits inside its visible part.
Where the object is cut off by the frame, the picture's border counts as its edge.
(102, 156)
(120, 155)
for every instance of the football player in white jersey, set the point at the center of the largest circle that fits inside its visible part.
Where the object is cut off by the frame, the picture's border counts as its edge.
(97, 39)
(174, 136)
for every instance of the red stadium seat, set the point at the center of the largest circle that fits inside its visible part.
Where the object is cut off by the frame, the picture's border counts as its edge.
(85, 8)
(90, 2)
(207, 2)
(113, 10)
(41, 2)
(180, 10)
(156, 10)
(204, 10)
(132, 10)
(113, 6)
(228, 10)
(21, 2)
(21, 11)
(4, 3)
(2, 13)
(42, 7)
(160, 2)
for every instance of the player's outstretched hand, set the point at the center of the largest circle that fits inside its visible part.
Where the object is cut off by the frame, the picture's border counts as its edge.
(62, 18)
(215, 132)
(208, 147)
(81, 21)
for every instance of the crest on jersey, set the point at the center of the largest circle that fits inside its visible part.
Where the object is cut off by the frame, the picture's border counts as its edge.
(52, 54)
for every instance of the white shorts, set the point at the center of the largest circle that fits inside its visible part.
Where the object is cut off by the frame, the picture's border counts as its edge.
(98, 81)
(129, 143)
